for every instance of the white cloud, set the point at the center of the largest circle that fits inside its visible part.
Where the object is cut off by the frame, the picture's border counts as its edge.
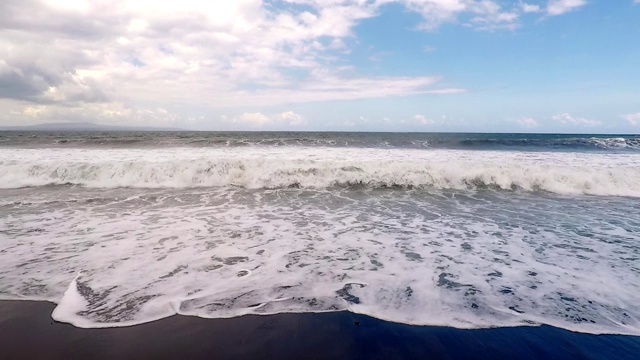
(339, 45)
(292, 118)
(530, 8)
(359, 121)
(192, 52)
(103, 113)
(527, 122)
(481, 14)
(253, 118)
(257, 119)
(559, 7)
(568, 119)
(446, 91)
(421, 119)
(633, 119)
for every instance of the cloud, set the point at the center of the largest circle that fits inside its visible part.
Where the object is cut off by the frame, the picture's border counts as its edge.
(253, 118)
(236, 45)
(257, 119)
(527, 122)
(559, 7)
(195, 51)
(292, 118)
(633, 119)
(530, 8)
(361, 120)
(103, 113)
(420, 119)
(446, 91)
(38, 73)
(330, 88)
(480, 14)
(568, 119)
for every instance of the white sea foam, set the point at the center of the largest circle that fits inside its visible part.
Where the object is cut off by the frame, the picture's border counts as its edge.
(456, 258)
(562, 173)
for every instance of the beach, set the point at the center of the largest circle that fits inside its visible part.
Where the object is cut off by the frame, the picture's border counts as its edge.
(28, 332)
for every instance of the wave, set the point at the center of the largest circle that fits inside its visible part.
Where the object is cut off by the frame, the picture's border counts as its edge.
(257, 173)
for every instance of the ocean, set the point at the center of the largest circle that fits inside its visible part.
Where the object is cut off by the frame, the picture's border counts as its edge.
(459, 230)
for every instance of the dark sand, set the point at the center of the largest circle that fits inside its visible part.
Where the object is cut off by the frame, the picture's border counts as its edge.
(28, 332)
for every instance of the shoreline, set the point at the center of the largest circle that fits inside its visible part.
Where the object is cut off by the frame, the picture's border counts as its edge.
(27, 331)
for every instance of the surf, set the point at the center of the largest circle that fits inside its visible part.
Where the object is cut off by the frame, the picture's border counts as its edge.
(327, 168)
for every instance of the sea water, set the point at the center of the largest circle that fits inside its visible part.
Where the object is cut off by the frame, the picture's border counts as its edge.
(463, 230)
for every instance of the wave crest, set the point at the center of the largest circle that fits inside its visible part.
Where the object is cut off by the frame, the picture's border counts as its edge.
(273, 174)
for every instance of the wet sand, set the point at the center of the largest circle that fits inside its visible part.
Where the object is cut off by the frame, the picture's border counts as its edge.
(28, 332)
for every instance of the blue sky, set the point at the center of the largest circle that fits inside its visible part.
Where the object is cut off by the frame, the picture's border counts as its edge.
(356, 65)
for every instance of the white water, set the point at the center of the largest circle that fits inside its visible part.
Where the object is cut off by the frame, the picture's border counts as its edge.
(219, 233)
(125, 256)
(254, 168)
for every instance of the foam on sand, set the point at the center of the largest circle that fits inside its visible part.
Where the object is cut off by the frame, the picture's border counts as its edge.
(458, 258)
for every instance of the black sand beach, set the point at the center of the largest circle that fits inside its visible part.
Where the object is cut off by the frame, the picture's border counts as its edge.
(28, 332)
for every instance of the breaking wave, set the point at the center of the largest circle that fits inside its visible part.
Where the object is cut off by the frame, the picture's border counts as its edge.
(269, 173)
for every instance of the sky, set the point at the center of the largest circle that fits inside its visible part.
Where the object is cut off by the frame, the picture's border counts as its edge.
(567, 66)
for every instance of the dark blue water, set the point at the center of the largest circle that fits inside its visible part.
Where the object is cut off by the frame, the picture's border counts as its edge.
(523, 142)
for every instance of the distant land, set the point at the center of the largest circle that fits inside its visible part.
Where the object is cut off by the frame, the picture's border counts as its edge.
(84, 126)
